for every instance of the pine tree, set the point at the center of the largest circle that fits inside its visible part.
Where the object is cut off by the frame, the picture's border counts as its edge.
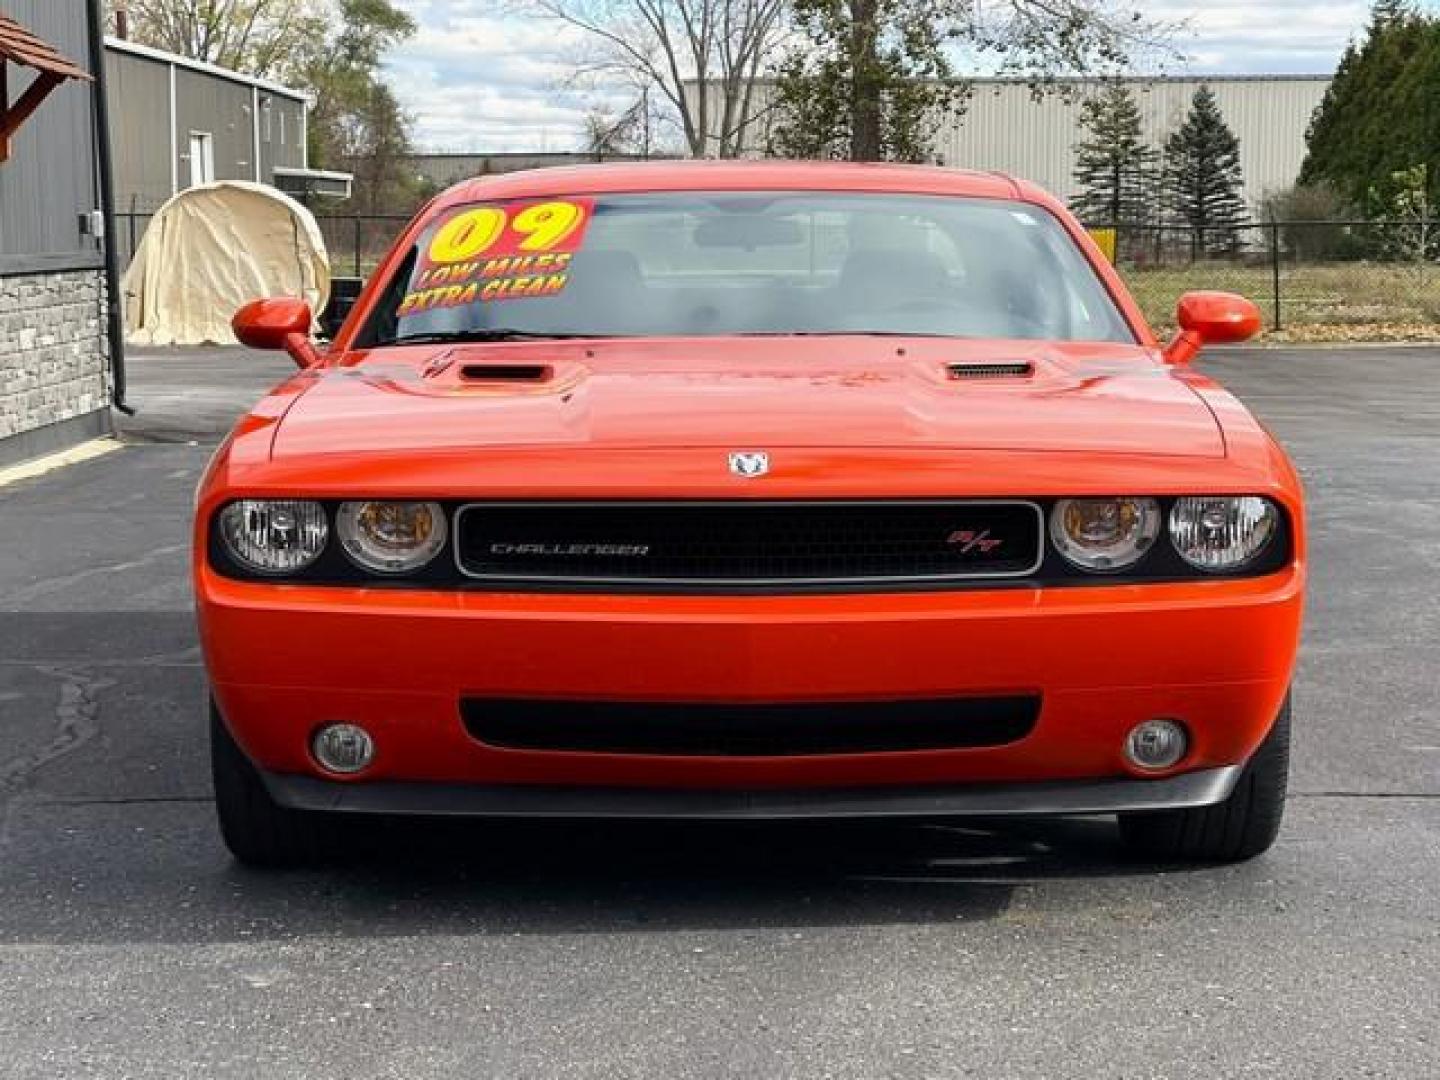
(1114, 167)
(1203, 178)
(1380, 118)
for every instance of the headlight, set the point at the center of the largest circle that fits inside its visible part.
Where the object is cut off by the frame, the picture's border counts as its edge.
(1221, 533)
(391, 537)
(274, 536)
(1104, 535)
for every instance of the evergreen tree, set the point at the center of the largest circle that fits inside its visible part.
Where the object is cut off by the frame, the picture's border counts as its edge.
(1203, 178)
(1114, 167)
(1380, 118)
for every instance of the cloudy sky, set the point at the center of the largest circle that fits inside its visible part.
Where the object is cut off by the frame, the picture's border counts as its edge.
(477, 79)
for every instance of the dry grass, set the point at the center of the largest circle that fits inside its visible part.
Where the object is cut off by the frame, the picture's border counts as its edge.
(1320, 302)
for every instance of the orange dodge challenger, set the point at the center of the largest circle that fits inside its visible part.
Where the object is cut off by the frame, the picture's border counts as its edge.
(720, 490)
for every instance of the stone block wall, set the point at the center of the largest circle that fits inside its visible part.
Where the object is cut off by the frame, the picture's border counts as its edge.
(54, 359)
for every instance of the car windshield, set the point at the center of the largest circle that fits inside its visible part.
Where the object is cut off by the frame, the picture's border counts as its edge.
(687, 264)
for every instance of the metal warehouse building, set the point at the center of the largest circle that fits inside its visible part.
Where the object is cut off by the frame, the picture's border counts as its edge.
(176, 123)
(1007, 128)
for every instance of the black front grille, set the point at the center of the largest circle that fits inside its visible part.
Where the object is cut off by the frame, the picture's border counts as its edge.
(748, 730)
(748, 543)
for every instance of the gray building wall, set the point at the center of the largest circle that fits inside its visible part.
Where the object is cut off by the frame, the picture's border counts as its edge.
(282, 134)
(140, 143)
(222, 110)
(51, 177)
(241, 115)
(1005, 128)
(54, 357)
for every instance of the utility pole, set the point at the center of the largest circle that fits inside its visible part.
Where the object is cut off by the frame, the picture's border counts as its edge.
(645, 122)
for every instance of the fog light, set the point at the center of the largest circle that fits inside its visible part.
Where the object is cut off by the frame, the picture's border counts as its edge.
(343, 748)
(1157, 744)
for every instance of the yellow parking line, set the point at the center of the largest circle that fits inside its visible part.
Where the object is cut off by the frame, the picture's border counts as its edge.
(28, 470)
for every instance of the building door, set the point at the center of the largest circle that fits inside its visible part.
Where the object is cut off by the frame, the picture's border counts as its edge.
(202, 158)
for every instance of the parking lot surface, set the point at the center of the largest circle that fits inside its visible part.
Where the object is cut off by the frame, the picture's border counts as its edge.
(130, 945)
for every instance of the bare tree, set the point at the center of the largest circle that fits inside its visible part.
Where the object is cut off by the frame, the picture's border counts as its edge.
(610, 135)
(702, 57)
(1040, 39)
(254, 36)
(874, 79)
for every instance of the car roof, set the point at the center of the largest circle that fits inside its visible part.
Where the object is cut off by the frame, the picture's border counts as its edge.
(742, 176)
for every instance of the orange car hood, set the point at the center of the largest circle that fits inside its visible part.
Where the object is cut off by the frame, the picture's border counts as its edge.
(749, 393)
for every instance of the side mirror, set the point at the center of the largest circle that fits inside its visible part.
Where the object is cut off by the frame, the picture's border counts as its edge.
(1211, 318)
(280, 323)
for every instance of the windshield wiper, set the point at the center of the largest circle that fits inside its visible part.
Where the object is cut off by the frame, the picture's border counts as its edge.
(489, 334)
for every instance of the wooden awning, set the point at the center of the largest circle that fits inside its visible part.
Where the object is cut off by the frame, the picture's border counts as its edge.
(20, 46)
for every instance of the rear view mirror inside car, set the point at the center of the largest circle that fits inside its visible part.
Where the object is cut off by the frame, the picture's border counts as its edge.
(748, 231)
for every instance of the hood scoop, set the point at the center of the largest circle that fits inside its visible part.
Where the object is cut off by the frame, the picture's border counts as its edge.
(474, 371)
(506, 373)
(1003, 369)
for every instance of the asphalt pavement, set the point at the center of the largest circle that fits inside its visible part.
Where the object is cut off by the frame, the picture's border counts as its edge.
(131, 946)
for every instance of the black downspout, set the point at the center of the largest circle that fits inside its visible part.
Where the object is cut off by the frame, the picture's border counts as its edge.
(116, 320)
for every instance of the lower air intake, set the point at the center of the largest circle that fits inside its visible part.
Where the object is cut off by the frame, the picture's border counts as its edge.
(750, 730)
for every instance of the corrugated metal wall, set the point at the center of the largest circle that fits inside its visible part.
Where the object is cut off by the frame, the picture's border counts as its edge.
(221, 109)
(1006, 128)
(139, 94)
(205, 103)
(50, 179)
(282, 134)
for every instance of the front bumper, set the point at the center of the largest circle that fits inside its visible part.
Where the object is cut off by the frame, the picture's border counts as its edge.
(1186, 790)
(285, 659)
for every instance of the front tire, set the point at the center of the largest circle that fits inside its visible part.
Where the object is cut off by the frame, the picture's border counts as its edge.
(1243, 826)
(257, 830)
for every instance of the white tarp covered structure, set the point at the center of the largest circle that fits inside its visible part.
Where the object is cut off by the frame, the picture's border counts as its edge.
(213, 248)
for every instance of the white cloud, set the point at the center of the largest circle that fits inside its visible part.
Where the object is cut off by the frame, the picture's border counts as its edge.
(1228, 37)
(477, 79)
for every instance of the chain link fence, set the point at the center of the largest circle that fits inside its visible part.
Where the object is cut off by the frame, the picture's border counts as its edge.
(1315, 280)
(129, 231)
(356, 243)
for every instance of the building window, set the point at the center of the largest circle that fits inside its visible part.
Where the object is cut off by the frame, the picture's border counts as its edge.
(202, 158)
